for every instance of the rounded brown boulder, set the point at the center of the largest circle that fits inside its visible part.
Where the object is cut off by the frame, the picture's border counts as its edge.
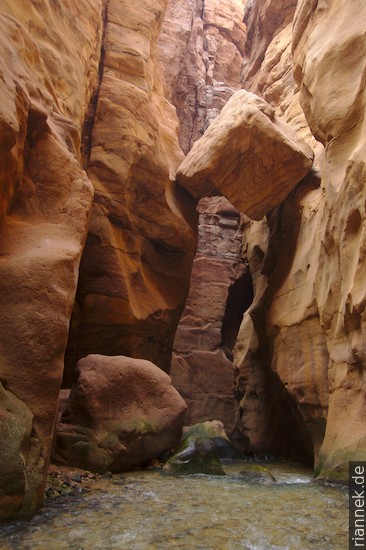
(122, 412)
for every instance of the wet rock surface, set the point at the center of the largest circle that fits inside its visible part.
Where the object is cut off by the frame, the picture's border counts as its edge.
(199, 451)
(257, 474)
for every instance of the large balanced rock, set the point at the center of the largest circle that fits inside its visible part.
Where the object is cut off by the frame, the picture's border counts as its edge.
(122, 412)
(249, 155)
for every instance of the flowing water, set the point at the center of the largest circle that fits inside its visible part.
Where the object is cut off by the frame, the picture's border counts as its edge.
(146, 510)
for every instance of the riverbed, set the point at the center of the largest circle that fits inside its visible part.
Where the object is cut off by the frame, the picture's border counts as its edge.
(146, 510)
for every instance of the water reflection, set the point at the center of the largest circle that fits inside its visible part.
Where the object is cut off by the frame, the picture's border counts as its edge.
(149, 511)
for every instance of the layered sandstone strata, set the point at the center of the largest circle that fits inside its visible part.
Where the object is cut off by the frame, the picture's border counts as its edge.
(48, 65)
(201, 52)
(220, 290)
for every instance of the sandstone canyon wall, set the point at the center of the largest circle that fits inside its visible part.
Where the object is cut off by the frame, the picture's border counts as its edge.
(201, 54)
(135, 270)
(48, 63)
(220, 290)
(330, 67)
(307, 258)
(82, 109)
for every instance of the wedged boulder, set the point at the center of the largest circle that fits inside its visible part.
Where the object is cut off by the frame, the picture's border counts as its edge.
(199, 450)
(122, 412)
(249, 155)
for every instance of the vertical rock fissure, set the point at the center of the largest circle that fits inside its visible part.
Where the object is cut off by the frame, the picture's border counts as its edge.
(240, 297)
(203, 10)
(86, 134)
(268, 417)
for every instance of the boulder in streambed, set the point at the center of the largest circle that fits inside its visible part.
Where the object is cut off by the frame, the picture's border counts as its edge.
(215, 432)
(122, 412)
(199, 450)
(254, 473)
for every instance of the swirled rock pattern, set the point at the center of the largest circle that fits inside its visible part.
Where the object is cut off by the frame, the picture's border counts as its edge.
(336, 116)
(135, 269)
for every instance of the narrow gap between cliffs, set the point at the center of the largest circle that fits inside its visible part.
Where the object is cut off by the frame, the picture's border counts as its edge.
(86, 134)
(240, 297)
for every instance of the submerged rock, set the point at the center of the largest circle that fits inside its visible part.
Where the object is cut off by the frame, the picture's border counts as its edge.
(215, 432)
(199, 451)
(122, 412)
(199, 456)
(257, 474)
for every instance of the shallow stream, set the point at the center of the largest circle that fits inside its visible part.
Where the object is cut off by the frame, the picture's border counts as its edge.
(145, 510)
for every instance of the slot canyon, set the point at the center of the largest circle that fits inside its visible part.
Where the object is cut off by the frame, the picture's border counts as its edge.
(182, 233)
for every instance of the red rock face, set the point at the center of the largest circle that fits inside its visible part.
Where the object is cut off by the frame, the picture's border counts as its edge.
(307, 288)
(200, 50)
(64, 66)
(200, 53)
(45, 198)
(202, 368)
(135, 269)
